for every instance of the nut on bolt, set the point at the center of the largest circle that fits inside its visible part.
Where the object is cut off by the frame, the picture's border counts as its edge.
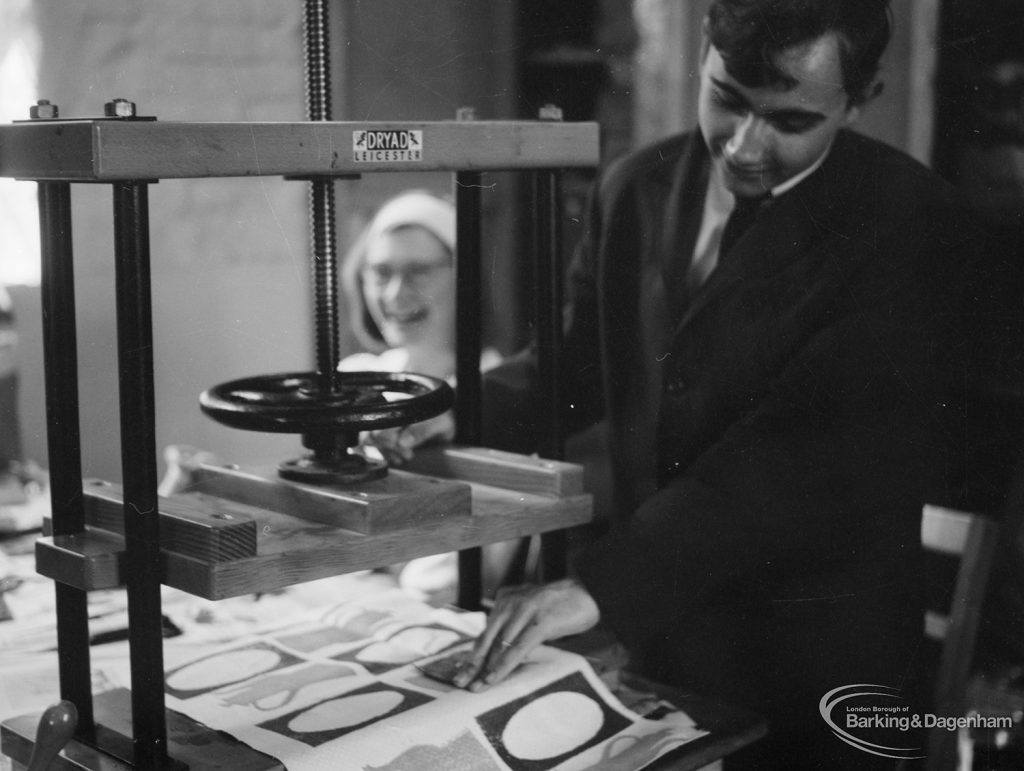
(119, 108)
(43, 110)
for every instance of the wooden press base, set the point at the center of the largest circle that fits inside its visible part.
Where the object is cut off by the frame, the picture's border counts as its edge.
(196, 746)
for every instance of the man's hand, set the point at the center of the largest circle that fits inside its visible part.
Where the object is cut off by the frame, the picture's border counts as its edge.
(524, 617)
(397, 444)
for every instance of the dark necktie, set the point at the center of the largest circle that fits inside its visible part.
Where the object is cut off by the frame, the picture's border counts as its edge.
(742, 217)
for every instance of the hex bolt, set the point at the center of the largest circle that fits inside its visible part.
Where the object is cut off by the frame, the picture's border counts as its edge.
(43, 110)
(119, 108)
(550, 112)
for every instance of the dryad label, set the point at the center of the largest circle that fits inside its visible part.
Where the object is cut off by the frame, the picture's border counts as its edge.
(383, 145)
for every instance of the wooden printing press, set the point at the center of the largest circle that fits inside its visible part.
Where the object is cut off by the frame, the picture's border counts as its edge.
(245, 530)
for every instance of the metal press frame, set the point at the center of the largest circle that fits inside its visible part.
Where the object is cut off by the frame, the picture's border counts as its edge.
(129, 153)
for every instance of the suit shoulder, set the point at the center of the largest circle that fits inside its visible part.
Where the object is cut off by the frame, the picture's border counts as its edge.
(874, 182)
(909, 211)
(891, 173)
(657, 161)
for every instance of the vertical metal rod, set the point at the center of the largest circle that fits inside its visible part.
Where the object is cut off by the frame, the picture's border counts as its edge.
(138, 464)
(548, 314)
(60, 357)
(321, 199)
(325, 281)
(468, 343)
(468, 337)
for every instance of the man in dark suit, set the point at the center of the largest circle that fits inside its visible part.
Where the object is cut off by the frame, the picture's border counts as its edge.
(783, 395)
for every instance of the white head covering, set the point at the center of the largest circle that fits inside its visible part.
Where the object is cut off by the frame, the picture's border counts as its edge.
(416, 207)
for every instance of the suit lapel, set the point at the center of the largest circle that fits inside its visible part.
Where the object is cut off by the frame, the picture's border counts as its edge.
(670, 200)
(679, 235)
(680, 194)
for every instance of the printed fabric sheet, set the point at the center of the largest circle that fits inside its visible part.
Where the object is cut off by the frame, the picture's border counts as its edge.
(344, 691)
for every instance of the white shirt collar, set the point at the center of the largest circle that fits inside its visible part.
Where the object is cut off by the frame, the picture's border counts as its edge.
(796, 179)
(718, 204)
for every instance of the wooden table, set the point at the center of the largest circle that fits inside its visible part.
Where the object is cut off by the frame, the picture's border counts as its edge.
(729, 729)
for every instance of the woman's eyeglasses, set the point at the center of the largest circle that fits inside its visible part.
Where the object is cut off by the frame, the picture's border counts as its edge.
(415, 274)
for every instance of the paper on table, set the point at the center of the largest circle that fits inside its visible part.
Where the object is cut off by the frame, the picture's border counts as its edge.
(343, 692)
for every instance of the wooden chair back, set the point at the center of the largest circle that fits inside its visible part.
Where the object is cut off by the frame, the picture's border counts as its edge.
(972, 538)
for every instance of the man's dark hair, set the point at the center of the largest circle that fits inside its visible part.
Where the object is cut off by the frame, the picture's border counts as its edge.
(750, 34)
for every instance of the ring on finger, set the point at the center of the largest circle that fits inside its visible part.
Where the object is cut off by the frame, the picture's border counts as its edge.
(505, 644)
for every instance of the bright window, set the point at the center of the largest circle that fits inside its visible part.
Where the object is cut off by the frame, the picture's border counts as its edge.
(19, 224)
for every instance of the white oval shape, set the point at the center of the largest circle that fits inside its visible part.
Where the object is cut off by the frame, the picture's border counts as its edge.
(552, 725)
(228, 667)
(408, 645)
(345, 711)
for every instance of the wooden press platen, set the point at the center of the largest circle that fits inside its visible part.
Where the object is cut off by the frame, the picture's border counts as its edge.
(240, 530)
(243, 530)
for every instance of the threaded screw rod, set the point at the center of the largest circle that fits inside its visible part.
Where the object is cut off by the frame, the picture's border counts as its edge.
(321, 200)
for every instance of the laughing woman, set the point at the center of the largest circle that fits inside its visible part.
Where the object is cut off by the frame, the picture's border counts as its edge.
(399, 282)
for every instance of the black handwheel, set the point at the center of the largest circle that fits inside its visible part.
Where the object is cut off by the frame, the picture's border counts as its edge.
(292, 403)
(329, 421)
